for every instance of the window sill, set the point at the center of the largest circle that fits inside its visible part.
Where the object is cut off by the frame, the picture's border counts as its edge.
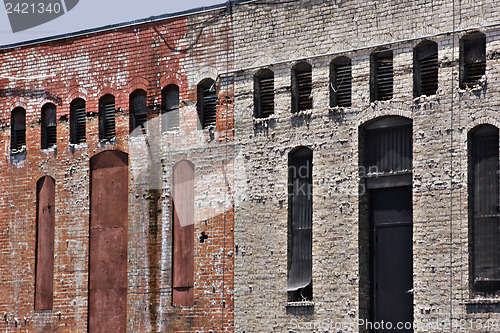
(300, 304)
(474, 301)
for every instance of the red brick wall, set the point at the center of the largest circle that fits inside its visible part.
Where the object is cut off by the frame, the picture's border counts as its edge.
(89, 66)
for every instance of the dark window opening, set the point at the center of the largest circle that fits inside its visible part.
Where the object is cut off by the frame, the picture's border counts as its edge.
(425, 69)
(207, 103)
(340, 82)
(18, 129)
(264, 94)
(484, 211)
(107, 129)
(45, 214)
(170, 108)
(299, 279)
(301, 87)
(472, 59)
(78, 121)
(382, 76)
(49, 126)
(138, 110)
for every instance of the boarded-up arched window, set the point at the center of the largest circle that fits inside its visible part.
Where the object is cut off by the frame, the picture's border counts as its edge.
(382, 76)
(49, 126)
(45, 218)
(264, 94)
(340, 82)
(170, 107)
(301, 87)
(77, 121)
(138, 110)
(425, 69)
(207, 103)
(107, 129)
(472, 59)
(18, 129)
(183, 235)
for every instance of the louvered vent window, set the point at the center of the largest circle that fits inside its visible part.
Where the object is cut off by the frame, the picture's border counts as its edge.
(425, 69)
(107, 117)
(18, 129)
(485, 215)
(138, 110)
(340, 82)
(170, 108)
(77, 121)
(49, 126)
(382, 76)
(301, 87)
(264, 94)
(207, 103)
(472, 59)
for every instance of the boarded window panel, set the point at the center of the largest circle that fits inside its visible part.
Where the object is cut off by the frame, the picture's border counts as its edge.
(485, 211)
(107, 118)
(183, 236)
(78, 121)
(301, 87)
(138, 109)
(170, 108)
(18, 129)
(426, 69)
(473, 59)
(264, 94)
(45, 244)
(340, 82)
(299, 283)
(382, 76)
(108, 242)
(207, 103)
(49, 126)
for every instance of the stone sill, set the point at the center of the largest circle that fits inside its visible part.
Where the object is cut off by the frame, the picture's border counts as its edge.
(300, 304)
(473, 301)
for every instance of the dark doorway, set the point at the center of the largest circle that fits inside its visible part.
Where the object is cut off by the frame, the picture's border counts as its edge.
(391, 258)
(108, 242)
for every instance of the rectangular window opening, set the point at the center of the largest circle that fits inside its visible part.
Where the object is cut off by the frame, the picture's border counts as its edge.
(382, 76)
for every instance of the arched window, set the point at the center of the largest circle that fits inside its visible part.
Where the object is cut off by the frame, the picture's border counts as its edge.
(301, 87)
(484, 210)
(207, 103)
(78, 122)
(45, 220)
(340, 82)
(138, 110)
(264, 94)
(49, 126)
(472, 59)
(382, 76)
(170, 107)
(18, 129)
(299, 278)
(425, 69)
(107, 129)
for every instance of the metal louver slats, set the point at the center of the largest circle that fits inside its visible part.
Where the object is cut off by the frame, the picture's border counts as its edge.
(80, 124)
(19, 139)
(304, 89)
(429, 75)
(473, 72)
(209, 108)
(51, 135)
(343, 84)
(140, 119)
(384, 77)
(267, 96)
(109, 121)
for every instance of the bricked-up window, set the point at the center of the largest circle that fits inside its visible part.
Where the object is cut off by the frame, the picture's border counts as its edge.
(484, 215)
(170, 108)
(18, 129)
(264, 94)
(207, 103)
(425, 69)
(77, 121)
(340, 82)
(382, 76)
(107, 118)
(138, 110)
(49, 126)
(301, 87)
(183, 235)
(299, 282)
(45, 218)
(472, 59)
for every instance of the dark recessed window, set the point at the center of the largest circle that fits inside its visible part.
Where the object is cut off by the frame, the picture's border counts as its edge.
(472, 59)
(264, 94)
(425, 69)
(301, 87)
(138, 110)
(18, 129)
(77, 119)
(107, 111)
(340, 82)
(49, 126)
(207, 103)
(382, 75)
(170, 108)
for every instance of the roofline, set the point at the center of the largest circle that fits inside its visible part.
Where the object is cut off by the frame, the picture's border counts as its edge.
(123, 24)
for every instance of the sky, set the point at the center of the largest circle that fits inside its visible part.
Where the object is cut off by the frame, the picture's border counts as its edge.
(89, 14)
